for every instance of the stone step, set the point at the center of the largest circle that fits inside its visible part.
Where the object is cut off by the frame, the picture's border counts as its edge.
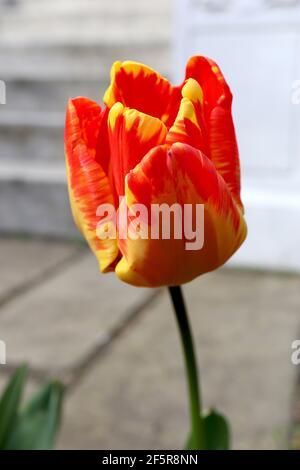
(42, 68)
(86, 28)
(106, 21)
(32, 136)
(97, 11)
(38, 8)
(51, 95)
(70, 71)
(84, 60)
(70, 36)
(34, 199)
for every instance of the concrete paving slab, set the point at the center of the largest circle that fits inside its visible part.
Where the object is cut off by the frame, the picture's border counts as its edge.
(56, 326)
(38, 200)
(23, 261)
(245, 349)
(244, 324)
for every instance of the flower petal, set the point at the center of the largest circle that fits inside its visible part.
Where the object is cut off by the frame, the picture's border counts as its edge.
(211, 80)
(87, 182)
(186, 127)
(180, 174)
(140, 87)
(131, 134)
(223, 149)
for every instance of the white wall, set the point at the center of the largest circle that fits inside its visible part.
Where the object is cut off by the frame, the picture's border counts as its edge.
(257, 45)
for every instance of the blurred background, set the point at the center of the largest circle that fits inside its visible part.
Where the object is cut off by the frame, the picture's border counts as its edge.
(116, 347)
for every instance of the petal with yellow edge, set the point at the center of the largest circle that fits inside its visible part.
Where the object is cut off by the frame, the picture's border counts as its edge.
(187, 128)
(183, 175)
(137, 86)
(131, 135)
(217, 102)
(211, 80)
(87, 182)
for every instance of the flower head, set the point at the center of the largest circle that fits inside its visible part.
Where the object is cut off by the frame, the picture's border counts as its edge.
(155, 144)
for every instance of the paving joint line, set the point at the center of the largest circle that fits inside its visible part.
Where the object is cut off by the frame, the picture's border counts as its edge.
(71, 376)
(99, 351)
(15, 292)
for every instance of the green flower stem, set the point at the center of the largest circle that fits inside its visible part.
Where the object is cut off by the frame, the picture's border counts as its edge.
(197, 428)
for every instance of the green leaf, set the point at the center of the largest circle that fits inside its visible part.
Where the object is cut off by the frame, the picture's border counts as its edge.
(24, 436)
(10, 402)
(37, 424)
(40, 400)
(217, 431)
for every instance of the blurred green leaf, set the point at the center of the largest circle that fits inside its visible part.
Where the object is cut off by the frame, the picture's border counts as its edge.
(40, 401)
(35, 425)
(38, 423)
(10, 402)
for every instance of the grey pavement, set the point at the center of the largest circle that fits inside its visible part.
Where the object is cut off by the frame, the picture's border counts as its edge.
(117, 349)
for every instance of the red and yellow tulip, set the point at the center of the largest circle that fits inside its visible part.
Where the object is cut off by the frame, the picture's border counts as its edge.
(156, 143)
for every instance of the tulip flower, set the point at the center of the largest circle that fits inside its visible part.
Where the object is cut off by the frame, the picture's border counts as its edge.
(157, 145)
(154, 143)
